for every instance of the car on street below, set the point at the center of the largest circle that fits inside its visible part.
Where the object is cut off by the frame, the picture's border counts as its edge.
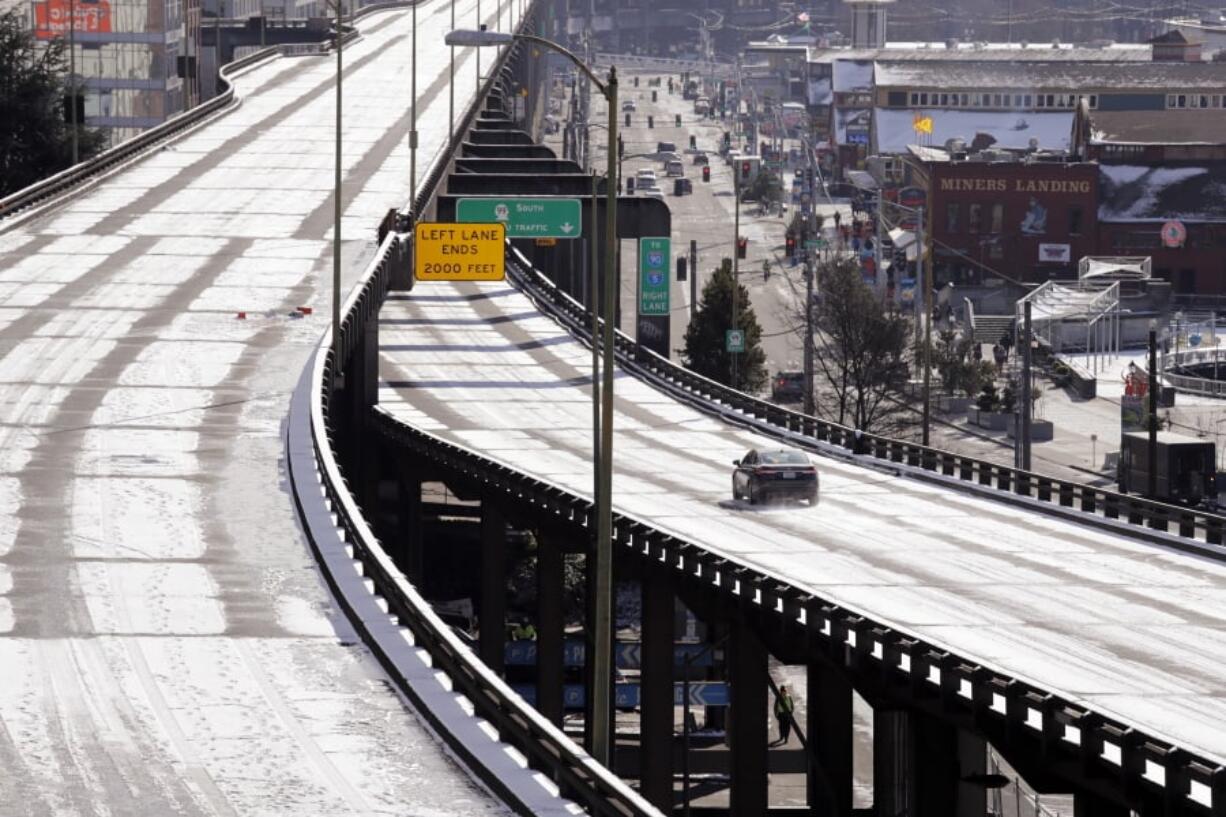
(629, 105)
(701, 159)
(787, 387)
(653, 193)
(763, 474)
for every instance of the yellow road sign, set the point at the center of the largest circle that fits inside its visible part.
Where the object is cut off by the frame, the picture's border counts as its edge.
(460, 252)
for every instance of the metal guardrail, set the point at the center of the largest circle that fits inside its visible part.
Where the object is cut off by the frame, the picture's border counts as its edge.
(582, 779)
(1190, 384)
(1191, 523)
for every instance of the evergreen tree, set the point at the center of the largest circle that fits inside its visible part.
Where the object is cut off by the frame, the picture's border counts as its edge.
(704, 350)
(35, 139)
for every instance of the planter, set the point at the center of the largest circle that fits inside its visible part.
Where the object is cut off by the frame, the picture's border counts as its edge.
(991, 420)
(1041, 431)
(953, 405)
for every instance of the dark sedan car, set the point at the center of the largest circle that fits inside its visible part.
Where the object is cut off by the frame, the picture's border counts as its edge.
(783, 473)
(788, 387)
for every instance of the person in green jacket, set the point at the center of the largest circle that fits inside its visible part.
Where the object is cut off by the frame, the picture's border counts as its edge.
(783, 713)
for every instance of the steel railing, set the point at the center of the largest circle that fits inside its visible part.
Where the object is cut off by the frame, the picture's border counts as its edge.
(1145, 514)
(1010, 708)
(580, 777)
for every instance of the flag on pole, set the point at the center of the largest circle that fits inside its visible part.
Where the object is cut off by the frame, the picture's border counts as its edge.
(922, 124)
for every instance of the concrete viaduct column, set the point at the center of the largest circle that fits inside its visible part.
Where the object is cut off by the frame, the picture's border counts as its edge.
(493, 631)
(830, 732)
(656, 731)
(549, 626)
(919, 763)
(748, 732)
(411, 551)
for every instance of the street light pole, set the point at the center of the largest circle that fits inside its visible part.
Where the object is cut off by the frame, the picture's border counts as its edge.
(923, 281)
(602, 624)
(602, 665)
(450, 84)
(336, 195)
(736, 267)
(72, 75)
(413, 116)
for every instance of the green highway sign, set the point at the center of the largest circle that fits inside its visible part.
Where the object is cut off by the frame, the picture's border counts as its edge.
(734, 341)
(814, 243)
(524, 217)
(654, 257)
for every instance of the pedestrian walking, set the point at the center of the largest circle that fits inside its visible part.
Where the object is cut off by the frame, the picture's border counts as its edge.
(783, 713)
(999, 355)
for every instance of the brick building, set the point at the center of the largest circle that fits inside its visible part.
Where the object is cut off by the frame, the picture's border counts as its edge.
(1008, 219)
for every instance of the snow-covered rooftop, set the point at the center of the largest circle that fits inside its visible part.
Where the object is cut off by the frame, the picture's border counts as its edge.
(986, 52)
(1142, 193)
(1177, 127)
(1011, 129)
(853, 76)
(1088, 76)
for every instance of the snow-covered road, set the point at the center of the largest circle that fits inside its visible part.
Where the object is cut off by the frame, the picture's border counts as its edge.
(1132, 630)
(166, 643)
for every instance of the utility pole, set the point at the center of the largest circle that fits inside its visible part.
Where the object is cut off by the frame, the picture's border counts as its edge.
(693, 278)
(1152, 452)
(736, 256)
(336, 186)
(810, 272)
(1023, 435)
(450, 83)
(922, 275)
(413, 116)
(72, 76)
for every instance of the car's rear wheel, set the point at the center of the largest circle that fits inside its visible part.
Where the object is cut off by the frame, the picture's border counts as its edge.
(753, 495)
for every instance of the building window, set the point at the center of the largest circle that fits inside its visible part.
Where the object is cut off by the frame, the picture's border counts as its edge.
(1074, 221)
(972, 217)
(964, 99)
(951, 218)
(1093, 101)
(914, 98)
(923, 99)
(1026, 101)
(998, 218)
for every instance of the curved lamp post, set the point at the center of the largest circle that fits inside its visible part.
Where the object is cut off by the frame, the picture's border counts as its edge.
(602, 637)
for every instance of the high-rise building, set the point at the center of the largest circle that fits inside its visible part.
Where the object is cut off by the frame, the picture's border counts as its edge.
(136, 58)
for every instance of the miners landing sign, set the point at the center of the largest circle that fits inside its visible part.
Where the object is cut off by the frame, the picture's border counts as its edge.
(979, 185)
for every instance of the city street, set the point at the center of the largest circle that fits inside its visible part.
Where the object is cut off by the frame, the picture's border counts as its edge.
(707, 216)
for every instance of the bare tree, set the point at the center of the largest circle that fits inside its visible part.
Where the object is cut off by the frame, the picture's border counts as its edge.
(859, 351)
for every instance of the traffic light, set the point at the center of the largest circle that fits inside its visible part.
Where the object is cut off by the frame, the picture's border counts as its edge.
(742, 247)
(655, 96)
(706, 173)
(627, 120)
(621, 147)
(677, 122)
(636, 82)
(790, 242)
(693, 138)
(79, 101)
(682, 267)
(745, 167)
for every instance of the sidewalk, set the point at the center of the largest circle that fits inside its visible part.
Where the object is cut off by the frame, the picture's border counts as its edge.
(1085, 430)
